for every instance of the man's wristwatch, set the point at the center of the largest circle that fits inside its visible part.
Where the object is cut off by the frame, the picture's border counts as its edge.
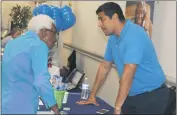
(117, 108)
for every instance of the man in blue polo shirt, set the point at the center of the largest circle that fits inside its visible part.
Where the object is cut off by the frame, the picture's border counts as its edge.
(142, 89)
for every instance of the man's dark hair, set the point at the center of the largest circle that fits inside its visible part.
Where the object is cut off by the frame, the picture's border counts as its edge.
(109, 9)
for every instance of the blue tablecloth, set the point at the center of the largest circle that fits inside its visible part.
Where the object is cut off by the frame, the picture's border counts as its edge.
(82, 109)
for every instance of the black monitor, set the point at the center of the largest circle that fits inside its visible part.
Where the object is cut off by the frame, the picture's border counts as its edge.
(71, 65)
(71, 62)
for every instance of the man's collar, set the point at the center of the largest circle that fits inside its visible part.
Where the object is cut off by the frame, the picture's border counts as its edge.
(127, 23)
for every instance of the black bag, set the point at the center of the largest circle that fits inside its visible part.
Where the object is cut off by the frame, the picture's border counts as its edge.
(171, 107)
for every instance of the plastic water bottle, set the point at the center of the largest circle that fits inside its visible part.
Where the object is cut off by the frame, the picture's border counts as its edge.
(85, 89)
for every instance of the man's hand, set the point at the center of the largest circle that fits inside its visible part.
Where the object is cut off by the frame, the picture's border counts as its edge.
(54, 108)
(57, 113)
(91, 100)
(117, 111)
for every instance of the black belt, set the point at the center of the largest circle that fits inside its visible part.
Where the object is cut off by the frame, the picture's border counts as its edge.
(162, 86)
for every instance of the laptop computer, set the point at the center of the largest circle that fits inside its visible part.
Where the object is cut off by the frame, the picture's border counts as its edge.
(74, 79)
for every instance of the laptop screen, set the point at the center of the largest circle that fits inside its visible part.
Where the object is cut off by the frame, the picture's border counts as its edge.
(77, 78)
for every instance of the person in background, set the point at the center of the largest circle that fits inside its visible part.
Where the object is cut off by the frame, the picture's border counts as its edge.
(142, 17)
(13, 34)
(142, 88)
(140, 14)
(25, 75)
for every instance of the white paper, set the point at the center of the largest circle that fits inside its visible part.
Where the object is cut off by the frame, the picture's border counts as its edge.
(40, 102)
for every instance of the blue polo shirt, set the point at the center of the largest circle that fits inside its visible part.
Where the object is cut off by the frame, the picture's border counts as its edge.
(133, 46)
(25, 75)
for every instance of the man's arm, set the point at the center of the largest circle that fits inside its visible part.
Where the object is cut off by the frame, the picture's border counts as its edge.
(135, 47)
(103, 70)
(102, 73)
(125, 85)
(42, 77)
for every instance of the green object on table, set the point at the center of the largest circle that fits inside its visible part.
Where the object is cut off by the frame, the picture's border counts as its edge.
(59, 97)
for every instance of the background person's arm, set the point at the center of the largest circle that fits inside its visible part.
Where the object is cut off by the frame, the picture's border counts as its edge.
(150, 29)
(5, 40)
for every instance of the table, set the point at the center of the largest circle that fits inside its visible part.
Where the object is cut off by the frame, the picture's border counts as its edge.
(73, 97)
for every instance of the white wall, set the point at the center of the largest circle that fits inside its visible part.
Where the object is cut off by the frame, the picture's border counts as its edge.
(86, 32)
(164, 36)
